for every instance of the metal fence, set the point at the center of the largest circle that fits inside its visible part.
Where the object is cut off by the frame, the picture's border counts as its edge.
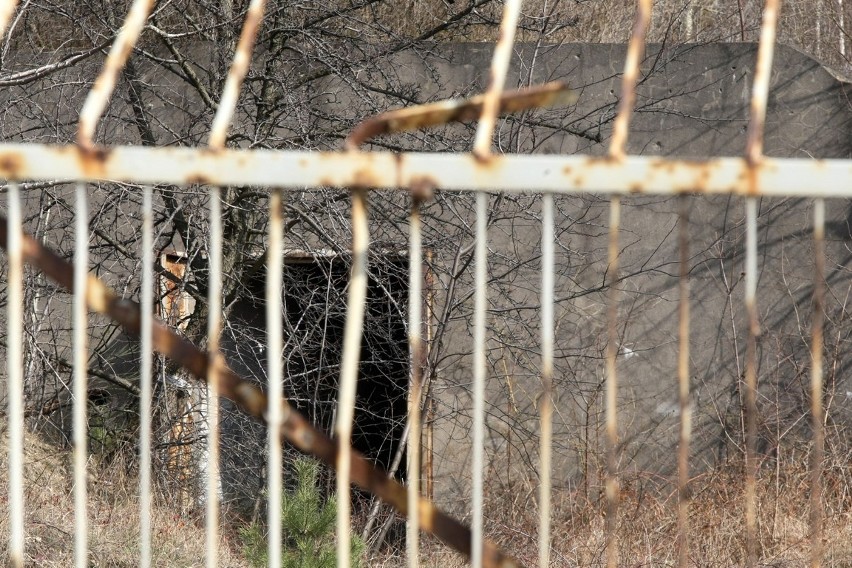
(418, 173)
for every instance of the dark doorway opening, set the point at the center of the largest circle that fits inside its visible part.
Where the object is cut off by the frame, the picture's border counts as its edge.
(315, 315)
(315, 294)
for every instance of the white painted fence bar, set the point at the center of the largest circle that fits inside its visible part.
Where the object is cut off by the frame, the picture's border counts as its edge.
(617, 151)
(479, 375)
(356, 303)
(275, 372)
(15, 379)
(511, 173)
(547, 393)
(683, 391)
(15, 356)
(684, 397)
(215, 362)
(146, 377)
(482, 151)
(81, 375)
(611, 480)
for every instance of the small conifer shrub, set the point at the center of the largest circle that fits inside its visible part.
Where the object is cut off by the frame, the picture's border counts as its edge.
(307, 527)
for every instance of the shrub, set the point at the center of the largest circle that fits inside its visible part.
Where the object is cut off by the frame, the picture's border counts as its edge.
(307, 527)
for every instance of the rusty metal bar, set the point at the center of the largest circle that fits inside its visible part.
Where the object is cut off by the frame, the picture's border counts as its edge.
(546, 400)
(80, 375)
(754, 157)
(251, 399)
(479, 376)
(513, 173)
(817, 412)
(275, 372)
(549, 95)
(635, 50)
(617, 153)
(236, 75)
(146, 382)
(497, 78)
(214, 372)
(684, 402)
(760, 88)
(104, 85)
(415, 344)
(15, 378)
(355, 307)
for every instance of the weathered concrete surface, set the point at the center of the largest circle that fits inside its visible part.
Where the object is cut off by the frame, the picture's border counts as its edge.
(693, 102)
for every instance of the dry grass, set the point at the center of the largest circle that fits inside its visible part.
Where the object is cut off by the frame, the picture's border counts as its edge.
(113, 517)
(647, 521)
(647, 531)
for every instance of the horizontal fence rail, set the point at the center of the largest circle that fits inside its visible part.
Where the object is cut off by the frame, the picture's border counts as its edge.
(358, 170)
(450, 172)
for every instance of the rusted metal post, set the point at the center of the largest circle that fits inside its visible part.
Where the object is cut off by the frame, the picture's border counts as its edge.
(617, 152)
(817, 412)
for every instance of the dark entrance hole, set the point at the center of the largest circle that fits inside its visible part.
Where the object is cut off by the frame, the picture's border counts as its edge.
(315, 295)
(315, 306)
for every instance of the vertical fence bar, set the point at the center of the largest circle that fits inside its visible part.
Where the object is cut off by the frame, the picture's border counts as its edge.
(617, 150)
(482, 150)
(816, 385)
(683, 389)
(355, 307)
(146, 383)
(275, 388)
(80, 370)
(236, 75)
(15, 378)
(479, 375)
(218, 135)
(415, 343)
(546, 403)
(751, 383)
(611, 483)
(754, 155)
(214, 330)
(104, 85)
(760, 87)
(499, 67)
(635, 50)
